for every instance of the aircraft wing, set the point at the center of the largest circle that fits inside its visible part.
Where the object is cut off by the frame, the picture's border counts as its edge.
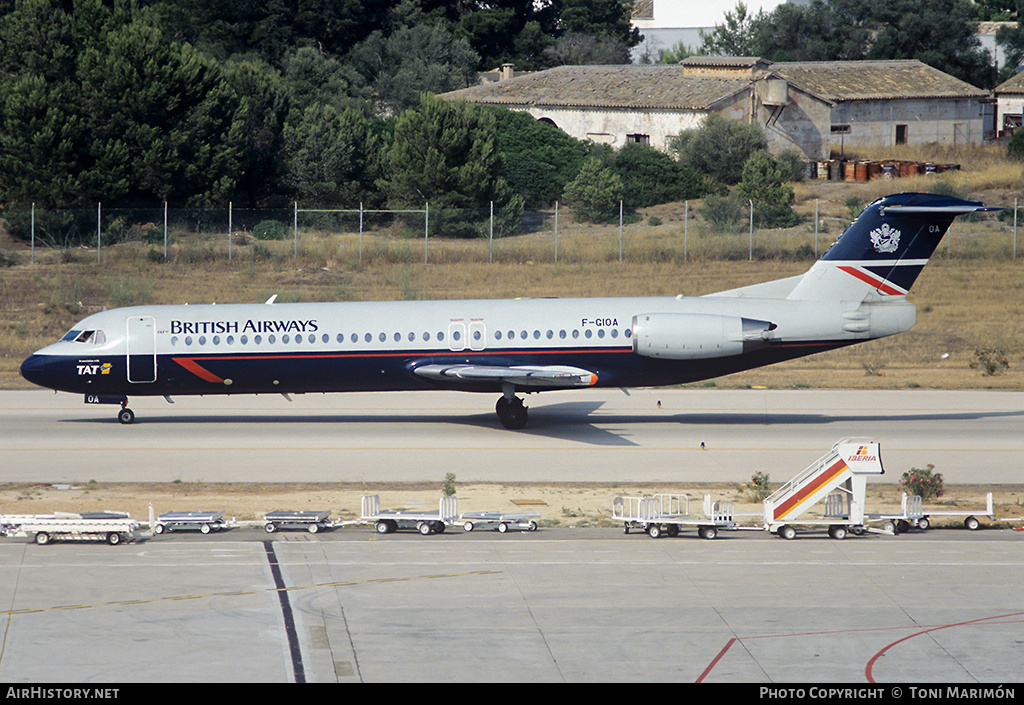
(559, 376)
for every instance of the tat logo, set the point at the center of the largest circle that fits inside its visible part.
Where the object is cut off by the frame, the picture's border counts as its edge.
(89, 369)
(885, 239)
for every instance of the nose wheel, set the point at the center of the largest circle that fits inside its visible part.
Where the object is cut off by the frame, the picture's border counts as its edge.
(125, 415)
(511, 413)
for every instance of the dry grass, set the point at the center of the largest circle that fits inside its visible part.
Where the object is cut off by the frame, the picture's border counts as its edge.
(970, 296)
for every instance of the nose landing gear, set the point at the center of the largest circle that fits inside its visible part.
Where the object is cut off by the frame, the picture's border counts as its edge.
(125, 415)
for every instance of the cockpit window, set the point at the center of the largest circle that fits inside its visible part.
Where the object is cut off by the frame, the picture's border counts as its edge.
(96, 337)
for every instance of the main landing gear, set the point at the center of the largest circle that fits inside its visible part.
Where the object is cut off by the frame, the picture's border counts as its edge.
(511, 412)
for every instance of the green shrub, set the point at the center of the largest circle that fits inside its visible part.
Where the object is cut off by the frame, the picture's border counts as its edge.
(270, 230)
(923, 482)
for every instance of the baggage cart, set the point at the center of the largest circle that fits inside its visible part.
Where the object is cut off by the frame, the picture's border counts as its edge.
(425, 522)
(204, 522)
(499, 521)
(311, 521)
(66, 526)
(669, 513)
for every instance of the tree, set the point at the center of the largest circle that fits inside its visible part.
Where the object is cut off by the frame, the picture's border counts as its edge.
(539, 159)
(740, 35)
(594, 195)
(719, 148)
(762, 184)
(650, 177)
(395, 70)
(445, 153)
(328, 156)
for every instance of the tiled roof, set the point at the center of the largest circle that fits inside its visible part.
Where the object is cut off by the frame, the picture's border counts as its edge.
(620, 86)
(674, 87)
(1012, 85)
(864, 80)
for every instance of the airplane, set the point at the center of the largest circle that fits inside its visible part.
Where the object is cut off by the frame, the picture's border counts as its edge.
(856, 292)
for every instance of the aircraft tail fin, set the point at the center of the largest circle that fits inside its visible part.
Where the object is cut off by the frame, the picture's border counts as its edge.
(884, 250)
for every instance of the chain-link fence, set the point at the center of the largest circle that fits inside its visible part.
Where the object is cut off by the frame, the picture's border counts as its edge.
(357, 236)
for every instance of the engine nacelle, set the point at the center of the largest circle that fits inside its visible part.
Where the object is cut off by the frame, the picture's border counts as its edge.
(694, 336)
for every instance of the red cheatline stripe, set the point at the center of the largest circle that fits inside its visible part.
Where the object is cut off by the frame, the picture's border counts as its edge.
(872, 280)
(201, 372)
(833, 471)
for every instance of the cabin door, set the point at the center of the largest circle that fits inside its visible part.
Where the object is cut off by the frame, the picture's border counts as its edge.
(141, 349)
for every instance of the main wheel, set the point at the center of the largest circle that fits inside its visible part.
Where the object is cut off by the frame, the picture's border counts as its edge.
(707, 532)
(126, 416)
(515, 416)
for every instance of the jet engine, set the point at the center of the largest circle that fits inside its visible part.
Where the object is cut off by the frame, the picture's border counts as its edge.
(694, 336)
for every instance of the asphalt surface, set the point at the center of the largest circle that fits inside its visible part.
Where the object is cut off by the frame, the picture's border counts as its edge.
(557, 605)
(589, 435)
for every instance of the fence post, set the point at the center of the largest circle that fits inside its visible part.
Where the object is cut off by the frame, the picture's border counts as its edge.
(686, 228)
(229, 231)
(426, 229)
(556, 231)
(33, 233)
(620, 231)
(1015, 228)
(490, 255)
(296, 229)
(360, 233)
(750, 254)
(815, 228)
(99, 227)
(165, 231)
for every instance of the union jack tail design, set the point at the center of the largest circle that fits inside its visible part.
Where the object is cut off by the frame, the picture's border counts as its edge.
(884, 250)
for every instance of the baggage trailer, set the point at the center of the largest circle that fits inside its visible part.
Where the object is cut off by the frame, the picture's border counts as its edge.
(65, 526)
(914, 515)
(426, 522)
(670, 513)
(499, 521)
(310, 521)
(204, 522)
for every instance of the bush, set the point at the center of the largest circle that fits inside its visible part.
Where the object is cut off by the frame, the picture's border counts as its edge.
(1015, 149)
(650, 177)
(723, 213)
(719, 148)
(762, 184)
(270, 230)
(991, 361)
(594, 195)
(924, 483)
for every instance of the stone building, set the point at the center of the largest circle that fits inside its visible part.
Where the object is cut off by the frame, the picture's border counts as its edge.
(812, 107)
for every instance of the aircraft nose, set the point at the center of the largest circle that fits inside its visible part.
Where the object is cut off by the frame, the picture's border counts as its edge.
(34, 369)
